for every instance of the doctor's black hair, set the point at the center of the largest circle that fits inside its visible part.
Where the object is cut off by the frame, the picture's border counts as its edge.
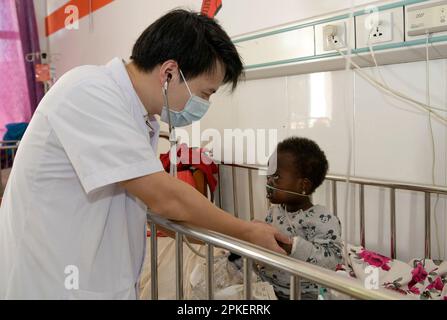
(310, 160)
(195, 41)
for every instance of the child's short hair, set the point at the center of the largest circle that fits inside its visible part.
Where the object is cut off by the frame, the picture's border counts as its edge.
(310, 160)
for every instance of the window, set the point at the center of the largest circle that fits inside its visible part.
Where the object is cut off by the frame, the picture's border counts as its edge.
(14, 97)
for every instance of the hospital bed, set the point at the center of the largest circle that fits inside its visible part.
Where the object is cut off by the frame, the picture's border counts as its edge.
(185, 259)
(299, 271)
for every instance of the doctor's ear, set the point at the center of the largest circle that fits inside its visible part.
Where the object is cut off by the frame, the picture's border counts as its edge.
(168, 71)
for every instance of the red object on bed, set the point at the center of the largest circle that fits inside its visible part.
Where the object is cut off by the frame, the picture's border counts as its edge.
(193, 158)
(187, 177)
(159, 234)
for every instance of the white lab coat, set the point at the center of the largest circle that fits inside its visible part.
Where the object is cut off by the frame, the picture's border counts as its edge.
(63, 210)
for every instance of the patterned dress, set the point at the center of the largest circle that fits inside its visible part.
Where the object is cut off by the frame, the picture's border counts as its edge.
(317, 240)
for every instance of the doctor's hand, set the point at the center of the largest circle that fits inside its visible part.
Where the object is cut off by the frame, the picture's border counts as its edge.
(264, 235)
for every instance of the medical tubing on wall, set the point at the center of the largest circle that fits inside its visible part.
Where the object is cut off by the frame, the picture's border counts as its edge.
(427, 107)
(374, 82)
(350, 144)
(432, 135)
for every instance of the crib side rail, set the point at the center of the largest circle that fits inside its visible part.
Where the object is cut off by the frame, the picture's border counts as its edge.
(391, 186)
(8, 151)
(297, 269)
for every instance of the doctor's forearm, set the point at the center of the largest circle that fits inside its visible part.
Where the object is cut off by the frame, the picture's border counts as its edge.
(193, 208)
(199, 211)
(178, 201)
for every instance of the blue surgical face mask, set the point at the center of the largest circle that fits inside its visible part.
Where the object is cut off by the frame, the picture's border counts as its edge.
(194, 110)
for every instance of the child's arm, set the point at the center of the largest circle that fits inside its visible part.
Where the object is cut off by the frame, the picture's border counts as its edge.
(322, 245)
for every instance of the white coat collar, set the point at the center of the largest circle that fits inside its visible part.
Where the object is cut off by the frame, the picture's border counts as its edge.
(121, 76)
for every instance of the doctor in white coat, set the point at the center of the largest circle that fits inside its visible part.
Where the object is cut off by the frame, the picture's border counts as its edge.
(86, 170)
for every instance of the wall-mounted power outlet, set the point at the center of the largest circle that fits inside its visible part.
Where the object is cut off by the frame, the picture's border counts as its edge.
(334, 36)
(380, 27)
(381, 30)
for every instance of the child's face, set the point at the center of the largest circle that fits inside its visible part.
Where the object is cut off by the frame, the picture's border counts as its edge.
(287, 178)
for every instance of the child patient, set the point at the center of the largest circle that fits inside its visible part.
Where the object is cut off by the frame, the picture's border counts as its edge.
(296, 169)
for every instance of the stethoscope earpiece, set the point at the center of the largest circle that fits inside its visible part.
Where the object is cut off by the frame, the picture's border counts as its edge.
(168, 79)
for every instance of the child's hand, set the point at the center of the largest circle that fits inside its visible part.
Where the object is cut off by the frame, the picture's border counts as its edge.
(263, 234)
(287, 247)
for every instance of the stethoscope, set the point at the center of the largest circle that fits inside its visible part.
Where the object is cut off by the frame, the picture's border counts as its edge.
(172, 135)
(173, 152)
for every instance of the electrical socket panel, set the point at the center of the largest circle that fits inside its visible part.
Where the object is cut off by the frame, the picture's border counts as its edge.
(334, 35)
(382, 30)
(428, 17)
(381, 27)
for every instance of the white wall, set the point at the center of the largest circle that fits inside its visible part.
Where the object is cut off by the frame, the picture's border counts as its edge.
(240, 17)
(388, 142)
(40, 7)
(110, 33)
(117, 25)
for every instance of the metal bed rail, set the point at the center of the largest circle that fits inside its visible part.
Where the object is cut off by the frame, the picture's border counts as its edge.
(298, 270)
(8, 151)
(361, 182)
(8, 148)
